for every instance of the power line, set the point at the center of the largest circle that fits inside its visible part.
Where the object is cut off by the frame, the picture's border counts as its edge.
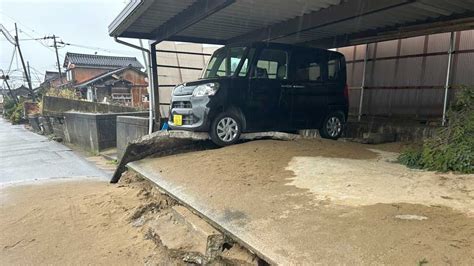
(11, 61)
(17, 21)
(112, 51)
(38, 40)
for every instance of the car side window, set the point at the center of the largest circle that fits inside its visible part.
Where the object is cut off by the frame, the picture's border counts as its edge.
(245, 66)
(272, 64)
(334, 68)
(308, 68)
(236, 54)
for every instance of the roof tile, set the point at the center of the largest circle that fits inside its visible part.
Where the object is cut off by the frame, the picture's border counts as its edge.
(101, 60)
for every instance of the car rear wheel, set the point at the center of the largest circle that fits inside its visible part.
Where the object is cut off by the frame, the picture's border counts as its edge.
(332, 126)
(226, 129)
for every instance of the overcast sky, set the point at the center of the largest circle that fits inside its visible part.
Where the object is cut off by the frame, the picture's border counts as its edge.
(78, 22)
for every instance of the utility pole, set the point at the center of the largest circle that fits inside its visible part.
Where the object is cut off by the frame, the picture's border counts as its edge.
(57, 59)
(54, 37)
(23, 64)
(28, 68)
(5, 79)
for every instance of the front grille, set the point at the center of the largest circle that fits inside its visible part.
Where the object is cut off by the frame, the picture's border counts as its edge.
(182, 104)
(188, 119)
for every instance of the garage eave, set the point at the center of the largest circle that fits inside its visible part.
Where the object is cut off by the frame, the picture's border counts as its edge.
(117, 26)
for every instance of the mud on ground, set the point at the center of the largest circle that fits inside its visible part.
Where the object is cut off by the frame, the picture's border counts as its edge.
(351, 201)
(84, 222)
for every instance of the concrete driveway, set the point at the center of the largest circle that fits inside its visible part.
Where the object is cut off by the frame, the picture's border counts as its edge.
(327, 202)
(26, 156)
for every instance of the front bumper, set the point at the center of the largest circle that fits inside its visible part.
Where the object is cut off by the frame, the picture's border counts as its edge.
(195, 112)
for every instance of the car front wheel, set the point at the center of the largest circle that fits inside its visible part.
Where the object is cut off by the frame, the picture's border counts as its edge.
(226, 129)
(332, 126)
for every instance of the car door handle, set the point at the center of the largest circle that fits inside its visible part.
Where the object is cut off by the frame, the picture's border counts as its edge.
(292, 86)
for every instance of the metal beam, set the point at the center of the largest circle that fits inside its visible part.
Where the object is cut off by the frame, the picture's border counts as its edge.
(154, 82)
(362, 86)
(149, 70)
(146, 61)
(197, 40)
(186, 18)
(334, 14)
(448, 75)
(448, 24)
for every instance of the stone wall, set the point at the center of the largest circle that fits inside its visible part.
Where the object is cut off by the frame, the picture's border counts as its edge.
(93, 132)
(129, 128)
(54, 106)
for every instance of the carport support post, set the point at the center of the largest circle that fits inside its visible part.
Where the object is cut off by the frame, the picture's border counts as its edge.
(362, 86)
(154, 81)
(448, 74)
(146, 60)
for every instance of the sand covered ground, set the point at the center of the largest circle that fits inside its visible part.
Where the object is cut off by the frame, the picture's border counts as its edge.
(351, 199)
(75, 223)
(333, 202)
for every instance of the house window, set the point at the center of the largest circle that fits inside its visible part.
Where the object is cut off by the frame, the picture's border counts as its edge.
(69, 75)
(126, 97)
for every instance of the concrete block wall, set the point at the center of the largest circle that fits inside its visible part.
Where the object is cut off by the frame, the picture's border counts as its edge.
(55, 106)
(402, 131)
(93, 132)
(129, 128)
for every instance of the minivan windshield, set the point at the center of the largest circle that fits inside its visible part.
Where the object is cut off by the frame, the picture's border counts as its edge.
(224, 62)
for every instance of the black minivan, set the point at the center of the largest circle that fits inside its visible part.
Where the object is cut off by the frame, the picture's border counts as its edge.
(264, 87)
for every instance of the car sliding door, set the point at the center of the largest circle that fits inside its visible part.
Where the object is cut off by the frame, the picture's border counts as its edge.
(270, 73)
(308, 93)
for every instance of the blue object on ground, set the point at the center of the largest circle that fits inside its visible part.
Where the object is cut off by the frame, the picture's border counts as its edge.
(165, 126)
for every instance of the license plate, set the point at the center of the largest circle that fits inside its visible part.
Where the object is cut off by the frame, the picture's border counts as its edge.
(178, 120)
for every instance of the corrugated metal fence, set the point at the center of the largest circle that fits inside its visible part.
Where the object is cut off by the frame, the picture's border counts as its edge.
(406, 77)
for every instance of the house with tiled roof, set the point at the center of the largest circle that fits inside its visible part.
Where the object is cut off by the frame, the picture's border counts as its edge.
(109, 79)
(125, 86)
(82, 67)
(53, 79)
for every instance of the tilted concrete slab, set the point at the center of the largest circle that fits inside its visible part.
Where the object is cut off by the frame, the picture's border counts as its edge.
(224, 223)
(316, 201)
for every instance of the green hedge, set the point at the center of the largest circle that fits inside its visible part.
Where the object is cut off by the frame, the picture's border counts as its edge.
(452, 147)
(13, 111)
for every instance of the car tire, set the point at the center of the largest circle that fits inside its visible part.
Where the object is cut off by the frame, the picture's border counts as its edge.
(226, 129)
(332, 126)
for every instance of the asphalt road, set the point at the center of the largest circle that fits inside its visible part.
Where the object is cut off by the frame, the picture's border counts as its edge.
(26, 156)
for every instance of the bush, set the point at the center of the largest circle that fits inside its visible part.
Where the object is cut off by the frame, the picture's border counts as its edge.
(9, 106)
(8, 103)
(411, 158)
(17, 114)
(452, 147)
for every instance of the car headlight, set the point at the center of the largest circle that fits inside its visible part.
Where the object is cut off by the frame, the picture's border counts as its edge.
(207, 89)
(177, 90)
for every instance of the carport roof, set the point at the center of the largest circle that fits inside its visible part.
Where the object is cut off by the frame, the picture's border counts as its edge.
(328, 23)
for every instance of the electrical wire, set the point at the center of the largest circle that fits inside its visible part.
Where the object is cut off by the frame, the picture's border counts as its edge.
(111, 51)
(11, 61)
